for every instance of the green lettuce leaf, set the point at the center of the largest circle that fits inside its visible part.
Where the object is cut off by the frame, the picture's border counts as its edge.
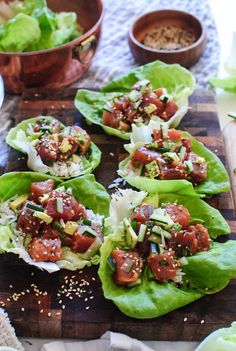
(33, 26)
(18, 33)
(228, 83)
(223, 339)
(177, 80)
(211, 269)
(19, 139)
(217, 180)
(218, 260)
(17, 183)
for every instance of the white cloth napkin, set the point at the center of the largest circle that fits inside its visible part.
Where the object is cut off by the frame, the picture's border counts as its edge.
(108, 342)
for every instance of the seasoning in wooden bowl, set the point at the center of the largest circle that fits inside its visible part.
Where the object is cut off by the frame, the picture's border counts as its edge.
(168, 38)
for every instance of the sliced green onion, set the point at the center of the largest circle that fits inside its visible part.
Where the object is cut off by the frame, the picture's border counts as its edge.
(137, 104)
(189, 165)
(134, 95)
(159, 231)
(59, 205)
(164, 98)
(87, 222)
(57, 226)
(90, 231)
(172, 155)
(134, 225)
(170, 145)
(46, 128)
(182, 152)
(111, 263)
(92, 250)
(164, 130)
(142, 233)
(232, 115)
(177, 227)
(35, 207)
(157, 148)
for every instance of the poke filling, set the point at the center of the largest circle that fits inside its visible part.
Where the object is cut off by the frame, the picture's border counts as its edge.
(158, 239)
(65, 150)
(139, 106)
(169, 156)
(46, 220)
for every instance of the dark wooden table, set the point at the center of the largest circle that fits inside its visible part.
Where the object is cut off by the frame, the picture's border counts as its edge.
(43, 311)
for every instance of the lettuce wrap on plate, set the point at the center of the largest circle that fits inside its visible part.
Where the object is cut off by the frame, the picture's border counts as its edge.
(154, 91)
(53, 148)
(167, 159)
(52, 224)
(160, 254)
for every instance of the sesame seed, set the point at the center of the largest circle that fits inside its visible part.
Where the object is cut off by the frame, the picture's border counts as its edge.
(202, 321)
(41, 311)
(22, 309)
(185, 319)
(87, 307)
(63, 307)
(49, 314)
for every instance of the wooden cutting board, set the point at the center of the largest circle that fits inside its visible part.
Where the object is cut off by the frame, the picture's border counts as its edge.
(34, 299)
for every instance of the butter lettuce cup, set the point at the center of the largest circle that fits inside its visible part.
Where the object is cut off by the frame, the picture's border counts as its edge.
(156, 91)
(161, 254)
(167, 159)
(53, 148)
(52, 224)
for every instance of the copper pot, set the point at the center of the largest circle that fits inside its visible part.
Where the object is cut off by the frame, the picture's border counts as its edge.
(61, 66)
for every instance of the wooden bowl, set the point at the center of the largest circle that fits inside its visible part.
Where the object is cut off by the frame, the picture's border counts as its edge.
(186, 57)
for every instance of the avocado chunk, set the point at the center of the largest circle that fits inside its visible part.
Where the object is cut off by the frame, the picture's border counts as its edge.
(150, 109)
(70, 227)
(65, 146)
(18, 202)
(43, 216)
(18, 33)
(131, 237)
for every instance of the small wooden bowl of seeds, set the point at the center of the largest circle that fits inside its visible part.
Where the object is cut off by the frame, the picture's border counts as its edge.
(168, 35)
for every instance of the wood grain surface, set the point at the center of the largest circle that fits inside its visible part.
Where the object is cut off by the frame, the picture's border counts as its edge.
(35, 300)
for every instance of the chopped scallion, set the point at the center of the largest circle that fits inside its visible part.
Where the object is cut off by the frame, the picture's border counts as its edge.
(59, 205)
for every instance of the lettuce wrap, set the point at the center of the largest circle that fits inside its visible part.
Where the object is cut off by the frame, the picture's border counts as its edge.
(85, 190)
(22, 138)
(223, 339)
(217, 180)
(204, 273)
(177, 80)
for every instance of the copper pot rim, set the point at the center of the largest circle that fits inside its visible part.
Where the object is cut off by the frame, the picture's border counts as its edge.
(64, 46)
(201, 38)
